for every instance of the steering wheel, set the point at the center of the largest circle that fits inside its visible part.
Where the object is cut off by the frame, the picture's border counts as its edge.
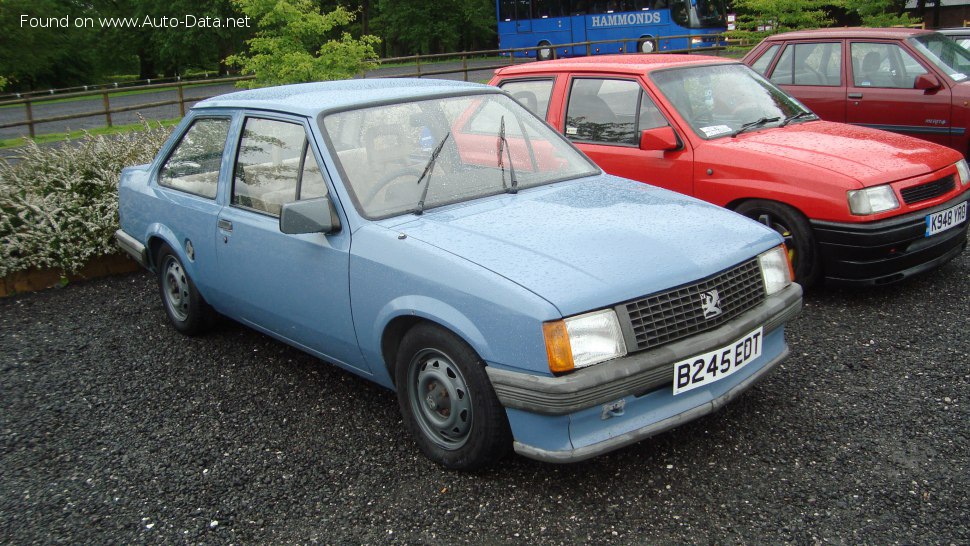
(387, 179)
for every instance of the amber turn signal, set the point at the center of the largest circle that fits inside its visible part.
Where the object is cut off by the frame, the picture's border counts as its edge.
(557, 346)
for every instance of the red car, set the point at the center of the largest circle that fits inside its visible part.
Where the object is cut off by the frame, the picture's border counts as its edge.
(855, 205)
(909, 81)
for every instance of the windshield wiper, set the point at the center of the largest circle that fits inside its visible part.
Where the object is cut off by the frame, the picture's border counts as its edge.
(793, 117)
(503, 145)
(427, 172)
(754, 125)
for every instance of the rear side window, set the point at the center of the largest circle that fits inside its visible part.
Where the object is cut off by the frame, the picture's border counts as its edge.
(533, 94)
(761, 65)
(810, 64)
(275, 165)
(194, 164)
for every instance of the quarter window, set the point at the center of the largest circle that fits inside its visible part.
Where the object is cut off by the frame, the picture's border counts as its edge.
(761, 65)
(610, 111)
(195, 162)
(533, 94)
(275, 165)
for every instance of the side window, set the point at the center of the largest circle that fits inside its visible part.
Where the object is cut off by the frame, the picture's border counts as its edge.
(274, 164)
(883, 65)
(809, 64)
(603, 111)
(761, 65)
(650, 116)
(533, 94)
(194, 164)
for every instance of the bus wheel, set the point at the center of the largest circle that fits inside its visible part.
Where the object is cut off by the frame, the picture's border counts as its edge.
(544, 53)
(647, 45)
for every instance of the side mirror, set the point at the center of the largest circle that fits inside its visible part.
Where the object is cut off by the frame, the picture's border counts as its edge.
(309, 216)
(662, 138)
(927, 82)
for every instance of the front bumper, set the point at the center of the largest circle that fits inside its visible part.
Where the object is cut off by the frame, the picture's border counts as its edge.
(889, 250)
(569, 418)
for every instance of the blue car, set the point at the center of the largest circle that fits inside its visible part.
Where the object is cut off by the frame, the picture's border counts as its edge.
(440, 240)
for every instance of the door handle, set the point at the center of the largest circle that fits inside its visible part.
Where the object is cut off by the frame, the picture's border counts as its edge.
(225, 225)
(855, 95)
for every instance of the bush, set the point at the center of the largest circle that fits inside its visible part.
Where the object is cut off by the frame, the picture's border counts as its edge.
(59, 204)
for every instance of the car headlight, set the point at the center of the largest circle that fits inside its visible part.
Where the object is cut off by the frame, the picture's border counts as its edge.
(583, 340)
(775, 269)
(872, 200)
(964, 172)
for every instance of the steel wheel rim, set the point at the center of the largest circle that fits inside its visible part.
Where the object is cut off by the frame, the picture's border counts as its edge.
(786, 234)
(175, 286)
(439, 399)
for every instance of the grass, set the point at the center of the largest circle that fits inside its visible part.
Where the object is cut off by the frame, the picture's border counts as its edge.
(57, 137)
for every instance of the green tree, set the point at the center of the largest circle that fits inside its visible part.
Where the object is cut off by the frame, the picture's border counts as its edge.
(880, 13)
(759, 18)
(435, 26)
(297, 43)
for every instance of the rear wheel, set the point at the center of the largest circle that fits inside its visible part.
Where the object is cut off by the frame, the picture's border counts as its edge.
(185, 307)
(447, 400)
(796, 231)
(545, 51)
(646, 45)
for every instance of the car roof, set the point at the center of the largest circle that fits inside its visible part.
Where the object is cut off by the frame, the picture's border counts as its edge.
(640, 63)
(954, 31)
(892, 33)
(310, 99)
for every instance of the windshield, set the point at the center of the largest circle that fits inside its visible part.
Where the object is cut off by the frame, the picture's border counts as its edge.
(947, 55)
(699, 13)
(409, 157)
(718, 100)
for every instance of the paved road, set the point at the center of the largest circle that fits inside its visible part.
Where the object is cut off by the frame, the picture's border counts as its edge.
(116, 429)
(479, 71)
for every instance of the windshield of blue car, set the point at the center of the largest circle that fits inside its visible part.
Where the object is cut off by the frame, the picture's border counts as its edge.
(719, 100)
(486, 144)
(950, 57)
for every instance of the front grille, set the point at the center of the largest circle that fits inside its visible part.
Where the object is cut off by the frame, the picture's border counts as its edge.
(929, 190)
(678, 313)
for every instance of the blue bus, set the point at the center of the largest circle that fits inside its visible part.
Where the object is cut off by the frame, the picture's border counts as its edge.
(544, 24)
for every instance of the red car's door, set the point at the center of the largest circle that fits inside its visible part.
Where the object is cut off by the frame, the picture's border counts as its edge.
(604, 116)
(881, 93)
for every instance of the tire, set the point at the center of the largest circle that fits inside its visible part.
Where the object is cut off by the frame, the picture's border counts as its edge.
(545, 51)
(647, 45)
(796, 231)
(185, 307)
(447, 400)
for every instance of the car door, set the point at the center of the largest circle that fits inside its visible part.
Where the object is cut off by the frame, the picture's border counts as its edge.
(295, 287)
(813, 73)
(188, 180)
(881, 93)
(604, 117)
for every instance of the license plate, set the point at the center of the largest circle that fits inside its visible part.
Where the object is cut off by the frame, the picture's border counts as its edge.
(945, 219)
(707, 368)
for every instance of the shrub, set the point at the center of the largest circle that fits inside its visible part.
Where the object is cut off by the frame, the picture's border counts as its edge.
(59, 204)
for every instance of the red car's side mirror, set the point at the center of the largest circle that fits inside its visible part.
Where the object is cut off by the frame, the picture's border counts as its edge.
(661, 138)
(927, 82)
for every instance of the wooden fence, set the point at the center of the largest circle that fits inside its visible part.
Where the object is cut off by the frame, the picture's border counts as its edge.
(493, 59)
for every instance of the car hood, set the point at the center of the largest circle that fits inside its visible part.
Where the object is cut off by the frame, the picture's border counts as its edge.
(869, 156)
(592, 243)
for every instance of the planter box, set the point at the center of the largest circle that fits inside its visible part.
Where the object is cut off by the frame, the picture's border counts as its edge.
(38, 279)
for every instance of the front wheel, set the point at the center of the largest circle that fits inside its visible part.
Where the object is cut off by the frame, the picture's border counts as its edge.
(447, 400)
(796, 231)
(646, 45)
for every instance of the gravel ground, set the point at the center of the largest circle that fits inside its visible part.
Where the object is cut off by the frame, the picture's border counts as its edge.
(116, 429)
